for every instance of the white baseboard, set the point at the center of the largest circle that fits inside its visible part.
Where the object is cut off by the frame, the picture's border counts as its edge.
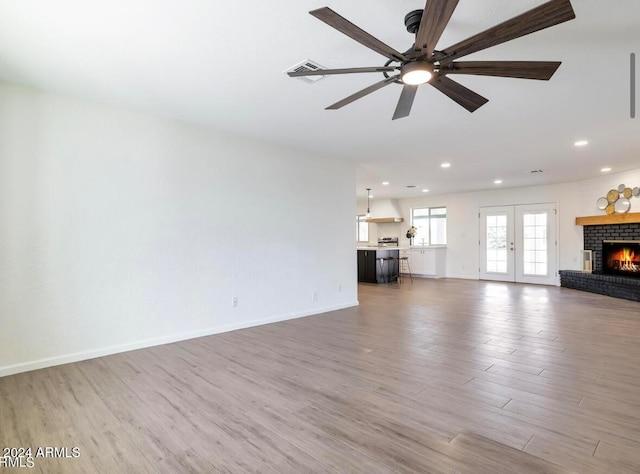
(157, 341)
(464, 277)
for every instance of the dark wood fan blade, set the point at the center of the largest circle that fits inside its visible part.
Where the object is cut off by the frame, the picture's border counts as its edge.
(343, 25)
(463, 96)
(541, 70)
(435, 19)
(326, 72)
(362, 93)
(546, 15)
(403, 109)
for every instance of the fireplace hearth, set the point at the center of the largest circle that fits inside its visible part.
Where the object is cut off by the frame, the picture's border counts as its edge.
(621, 257)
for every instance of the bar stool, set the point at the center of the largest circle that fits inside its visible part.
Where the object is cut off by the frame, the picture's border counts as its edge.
(403, 264)
(380, 261)
(392, 267)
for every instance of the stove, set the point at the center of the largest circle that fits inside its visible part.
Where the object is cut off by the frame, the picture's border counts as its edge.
(388, 242)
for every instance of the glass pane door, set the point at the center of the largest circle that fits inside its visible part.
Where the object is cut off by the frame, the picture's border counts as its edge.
(496, 244)
(518, 243)
(536, 244)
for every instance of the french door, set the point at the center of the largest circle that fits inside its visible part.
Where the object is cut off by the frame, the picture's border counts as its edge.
(518, 243)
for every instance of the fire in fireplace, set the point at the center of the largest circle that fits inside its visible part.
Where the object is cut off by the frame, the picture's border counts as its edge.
(621, 257)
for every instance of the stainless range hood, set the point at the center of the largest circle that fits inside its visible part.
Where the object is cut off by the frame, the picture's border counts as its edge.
(384, 211)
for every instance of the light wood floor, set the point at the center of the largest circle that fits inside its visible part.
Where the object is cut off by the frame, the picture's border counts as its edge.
(442, 376)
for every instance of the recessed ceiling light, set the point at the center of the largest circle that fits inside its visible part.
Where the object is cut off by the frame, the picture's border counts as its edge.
(425, 190)
(497, 181)
(445, 165)
(385, 183)
(581, 143)
(605, 170)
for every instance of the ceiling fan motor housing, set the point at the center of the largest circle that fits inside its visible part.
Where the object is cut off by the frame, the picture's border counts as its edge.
(412, 20)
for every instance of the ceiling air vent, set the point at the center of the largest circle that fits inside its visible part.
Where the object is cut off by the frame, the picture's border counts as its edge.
(535, 171)
(307, 65)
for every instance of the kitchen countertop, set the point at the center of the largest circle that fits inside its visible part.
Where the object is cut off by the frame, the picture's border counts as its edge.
(375, 247)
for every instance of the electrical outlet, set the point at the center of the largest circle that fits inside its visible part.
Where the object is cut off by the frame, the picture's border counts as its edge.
(234, 301)
(339, 287)
(314, 296)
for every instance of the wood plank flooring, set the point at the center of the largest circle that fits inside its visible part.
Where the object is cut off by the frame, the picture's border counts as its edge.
(437, 376)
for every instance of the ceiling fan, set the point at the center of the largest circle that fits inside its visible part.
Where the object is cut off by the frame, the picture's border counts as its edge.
(422, 63)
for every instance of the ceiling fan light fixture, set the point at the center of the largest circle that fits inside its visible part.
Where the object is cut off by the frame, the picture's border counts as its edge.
(416, 65)
(416, 73)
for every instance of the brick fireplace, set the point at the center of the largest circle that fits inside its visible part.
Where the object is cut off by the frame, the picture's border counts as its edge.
(595, 235)
(618, 284)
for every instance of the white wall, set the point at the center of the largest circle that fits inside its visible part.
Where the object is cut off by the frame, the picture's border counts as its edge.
(120, 230)
(572, 200)
(589, 191)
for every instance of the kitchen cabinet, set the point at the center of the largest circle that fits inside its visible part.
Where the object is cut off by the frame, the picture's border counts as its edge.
(369, 269)
(426, 261)
(367, 266)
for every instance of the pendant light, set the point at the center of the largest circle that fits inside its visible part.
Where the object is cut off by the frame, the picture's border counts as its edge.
(368, 198)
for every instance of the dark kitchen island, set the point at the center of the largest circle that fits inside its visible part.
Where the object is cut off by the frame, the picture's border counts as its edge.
(377, 264)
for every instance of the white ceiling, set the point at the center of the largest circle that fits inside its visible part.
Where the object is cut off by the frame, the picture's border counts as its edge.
(221, 64)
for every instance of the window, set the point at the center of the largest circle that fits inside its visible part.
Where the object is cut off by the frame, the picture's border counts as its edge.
(497, 244)
(431, 223)
(362, 229)
(535, 244)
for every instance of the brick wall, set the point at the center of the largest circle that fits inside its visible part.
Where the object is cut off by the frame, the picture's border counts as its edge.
(595, 234)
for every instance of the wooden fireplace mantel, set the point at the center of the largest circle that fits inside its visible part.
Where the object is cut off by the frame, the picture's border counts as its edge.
(629, 218)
